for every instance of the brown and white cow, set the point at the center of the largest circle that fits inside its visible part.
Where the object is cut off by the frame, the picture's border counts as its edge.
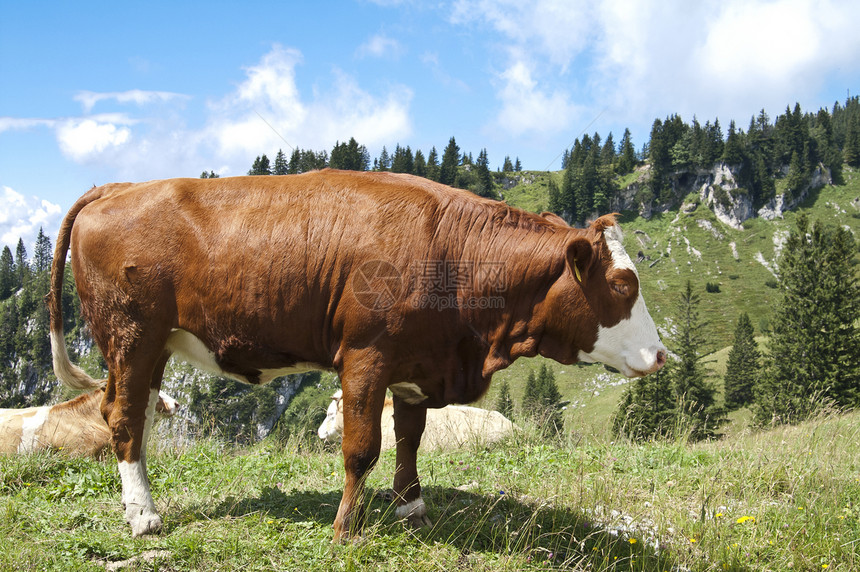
(450, 427)
(76, 426)
(393, 281)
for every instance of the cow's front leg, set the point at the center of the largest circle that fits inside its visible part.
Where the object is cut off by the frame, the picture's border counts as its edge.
(409, 421)
(362, 438)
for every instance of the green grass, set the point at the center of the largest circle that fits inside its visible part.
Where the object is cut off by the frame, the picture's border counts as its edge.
(774, 500)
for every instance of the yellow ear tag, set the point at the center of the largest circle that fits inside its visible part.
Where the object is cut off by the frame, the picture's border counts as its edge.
(576, 271)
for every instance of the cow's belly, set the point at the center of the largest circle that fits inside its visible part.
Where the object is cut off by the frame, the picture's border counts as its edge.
(190, 348)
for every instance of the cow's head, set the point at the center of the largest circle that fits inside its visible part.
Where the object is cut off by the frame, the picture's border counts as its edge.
(166, 406)
(595, 311)
(332, 425)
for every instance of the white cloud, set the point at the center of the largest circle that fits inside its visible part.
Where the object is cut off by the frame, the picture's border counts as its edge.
(380, 46)
(724, 58)
(267, 110)
(20, 123)
(557, 30)
(89, 99)
(82, 139)
(21, 217)
(527, 108)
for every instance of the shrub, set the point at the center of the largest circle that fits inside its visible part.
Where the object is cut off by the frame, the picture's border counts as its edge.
(712, 287)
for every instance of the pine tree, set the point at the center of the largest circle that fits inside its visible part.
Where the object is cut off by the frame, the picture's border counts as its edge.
(420, 164)
(733, 150)
(7, 273)
(450, 161)
(531, 396)
(518, 167)
(607, 152)
(22, 266)
(433, 165)
(627, 154)
(282, 166)
(694, 393)
(295, 160)
(403, 162)
(742, 368)
(797, 178)
(484, 186)
(42, 253)
(507, 166)
(851, 150)
(504, 402)
(384, 162)
(260, 166)
(554, 192)
(815, 341)
(647, 409)
(550, 412)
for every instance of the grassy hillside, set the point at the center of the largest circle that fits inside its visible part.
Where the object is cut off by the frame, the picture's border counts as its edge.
(777, 500)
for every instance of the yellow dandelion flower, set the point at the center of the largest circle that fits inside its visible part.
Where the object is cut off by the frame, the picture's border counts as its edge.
(743, 519)
(692, 540)
(718, 515)
(825, 566)
(800, 508)
(632, 541)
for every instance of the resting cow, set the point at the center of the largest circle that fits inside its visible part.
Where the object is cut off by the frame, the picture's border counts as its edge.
(392, 281)
(448, 428)
(75, 426)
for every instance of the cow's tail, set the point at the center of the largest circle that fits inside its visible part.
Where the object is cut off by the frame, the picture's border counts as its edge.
(64, 369)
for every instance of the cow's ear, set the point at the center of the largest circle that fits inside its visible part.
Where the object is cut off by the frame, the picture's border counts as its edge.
(579, 252)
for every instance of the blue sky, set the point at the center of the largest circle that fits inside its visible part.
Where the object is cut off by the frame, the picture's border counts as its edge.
(100, 92)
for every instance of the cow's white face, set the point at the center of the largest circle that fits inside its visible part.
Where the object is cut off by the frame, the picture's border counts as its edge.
(331, 428)
(632, 346)
(166, 405)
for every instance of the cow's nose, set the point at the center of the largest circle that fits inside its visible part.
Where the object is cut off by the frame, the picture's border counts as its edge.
(660, 360)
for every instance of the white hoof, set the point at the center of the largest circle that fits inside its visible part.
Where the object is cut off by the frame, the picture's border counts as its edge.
(142, 520)
(414, 512)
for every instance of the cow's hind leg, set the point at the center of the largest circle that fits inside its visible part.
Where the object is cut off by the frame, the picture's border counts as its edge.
(363, 400)
(409, 421)
(129, 407)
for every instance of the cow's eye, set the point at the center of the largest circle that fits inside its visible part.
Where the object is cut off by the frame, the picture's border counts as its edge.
(620, 287)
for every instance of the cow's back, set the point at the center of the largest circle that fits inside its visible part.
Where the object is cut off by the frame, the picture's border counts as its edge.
(265, 259)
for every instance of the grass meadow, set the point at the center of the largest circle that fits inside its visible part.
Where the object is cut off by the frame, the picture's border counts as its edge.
(783, 499)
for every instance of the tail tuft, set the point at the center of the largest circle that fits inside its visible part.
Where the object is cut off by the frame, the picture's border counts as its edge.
(66, 371)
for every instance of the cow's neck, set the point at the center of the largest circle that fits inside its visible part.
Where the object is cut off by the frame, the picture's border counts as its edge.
(530, 251)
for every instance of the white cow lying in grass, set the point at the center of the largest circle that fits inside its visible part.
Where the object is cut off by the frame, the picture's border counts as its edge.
(75, 426)
(448, 428)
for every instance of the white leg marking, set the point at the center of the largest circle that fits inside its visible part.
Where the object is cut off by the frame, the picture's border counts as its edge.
(415, 508)
(29, 429)
(139, 508)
